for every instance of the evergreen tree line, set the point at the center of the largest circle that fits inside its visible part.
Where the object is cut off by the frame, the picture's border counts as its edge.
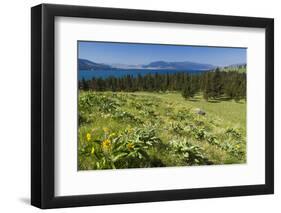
(213, 84)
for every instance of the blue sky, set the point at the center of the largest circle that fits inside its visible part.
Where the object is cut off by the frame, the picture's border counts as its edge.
(133, 54)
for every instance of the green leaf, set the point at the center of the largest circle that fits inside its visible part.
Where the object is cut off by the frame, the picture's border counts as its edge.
(119, 156)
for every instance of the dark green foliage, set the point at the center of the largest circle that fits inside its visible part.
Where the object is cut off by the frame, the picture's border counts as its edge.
(213, 84)
(188, 91)
(235, 86)
(84, 84)
(207, 86)
(217, 84)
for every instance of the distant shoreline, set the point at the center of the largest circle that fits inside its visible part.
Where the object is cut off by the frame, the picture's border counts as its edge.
(118, 73)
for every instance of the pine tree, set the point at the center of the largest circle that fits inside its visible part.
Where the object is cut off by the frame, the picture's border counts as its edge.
(85, 84)
(216, 82)
(207, 93)
(188, 91)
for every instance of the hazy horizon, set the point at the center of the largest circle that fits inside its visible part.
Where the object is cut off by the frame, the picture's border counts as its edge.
(139, 54)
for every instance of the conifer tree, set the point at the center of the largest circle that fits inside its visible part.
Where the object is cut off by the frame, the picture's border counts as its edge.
(216, 82)
(85, 84)
(188, 91)
(207, 93)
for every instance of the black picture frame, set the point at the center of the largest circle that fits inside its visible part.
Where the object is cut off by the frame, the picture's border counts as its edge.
(43, 102)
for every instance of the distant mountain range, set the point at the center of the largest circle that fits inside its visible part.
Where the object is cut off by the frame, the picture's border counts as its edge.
(184, 65)
(240, 65)
(85, 64)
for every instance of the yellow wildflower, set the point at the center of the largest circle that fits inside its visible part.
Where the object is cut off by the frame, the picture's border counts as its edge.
(237, 146)
(106, 144)
(130, 146)
(88, 136)
(93, 150)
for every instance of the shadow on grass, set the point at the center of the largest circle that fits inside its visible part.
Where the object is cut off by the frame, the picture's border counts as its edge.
(224, 99)
(214, 101)
(195, 99)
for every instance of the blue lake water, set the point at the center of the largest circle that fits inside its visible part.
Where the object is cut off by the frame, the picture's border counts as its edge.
(89, 74)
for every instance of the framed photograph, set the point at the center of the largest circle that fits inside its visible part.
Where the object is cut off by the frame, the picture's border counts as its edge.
(139, 106)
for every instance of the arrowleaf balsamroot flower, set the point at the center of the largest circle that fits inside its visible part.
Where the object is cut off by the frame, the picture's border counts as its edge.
(106, 145)
(88, 137)
(130, 146)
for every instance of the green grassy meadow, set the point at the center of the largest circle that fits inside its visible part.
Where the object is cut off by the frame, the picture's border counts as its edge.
(153, 129)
